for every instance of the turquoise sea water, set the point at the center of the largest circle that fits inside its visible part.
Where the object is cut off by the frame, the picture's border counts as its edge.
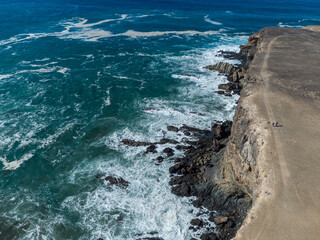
(78, 76)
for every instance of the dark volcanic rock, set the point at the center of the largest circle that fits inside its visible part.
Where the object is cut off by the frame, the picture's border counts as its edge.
(166, 140)
(117, 181)
(197, 173)
(220, 92)
(151, 149)
(150, 238)
(209, 236)
(170, 154)
(134, 143)
(175, 180)
(220, 131)
(160, 159)
(182, 190)
(196, 222)
(231, 224)
(172, 129)
(222, 67)
(167, 150)
(229, 55)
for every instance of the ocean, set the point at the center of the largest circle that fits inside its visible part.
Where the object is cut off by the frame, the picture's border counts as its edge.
(78, 76)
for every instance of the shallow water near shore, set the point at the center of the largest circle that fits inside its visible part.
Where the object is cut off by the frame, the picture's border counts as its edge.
(77, 77)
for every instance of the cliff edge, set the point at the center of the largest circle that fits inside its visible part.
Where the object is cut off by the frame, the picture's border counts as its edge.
(279, 167)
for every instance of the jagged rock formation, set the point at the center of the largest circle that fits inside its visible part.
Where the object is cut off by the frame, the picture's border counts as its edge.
(222, 67)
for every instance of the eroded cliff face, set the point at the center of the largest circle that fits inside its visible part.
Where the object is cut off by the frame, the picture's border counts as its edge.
(242, 169)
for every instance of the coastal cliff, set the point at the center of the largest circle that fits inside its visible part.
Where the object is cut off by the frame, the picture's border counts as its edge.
(277, 167)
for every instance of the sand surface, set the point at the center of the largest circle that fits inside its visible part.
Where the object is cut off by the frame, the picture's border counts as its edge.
(288, 62)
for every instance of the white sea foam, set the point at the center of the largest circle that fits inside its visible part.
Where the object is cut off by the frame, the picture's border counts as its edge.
(79, 29)
(49, 140)
(3, 76)
(134, 34)
(12, 165)
(147, 204)
(207, 19)
(289, 25)
(63, 70)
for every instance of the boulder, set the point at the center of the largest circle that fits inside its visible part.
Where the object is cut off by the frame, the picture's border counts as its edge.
(220, 220)
(160, 159)
(167, 150)
(151, 149)
(166, 140)
(227, 86)
(182, 190)
(173, 129)
(222, 67)
(196, 222)
(134, 143)
(117, 181)
(220, 92)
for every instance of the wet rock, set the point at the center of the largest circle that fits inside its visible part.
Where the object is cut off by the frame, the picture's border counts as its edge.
(160, 159)
(229, 55)
(170, 154)
(182, 190)
(186, 128)
(134, 143)
(117, 181)
(237, 91)
(220, 92)
(221, 67)
(228, 94)
(175, 180)
(167, 150)
(209, 236)
(150, 238)
(196, 222)
(166, 140)
(173, 129)
(151, 149)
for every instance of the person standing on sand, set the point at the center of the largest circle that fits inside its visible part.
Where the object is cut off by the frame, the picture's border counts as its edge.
(277, 124)
(272, 124)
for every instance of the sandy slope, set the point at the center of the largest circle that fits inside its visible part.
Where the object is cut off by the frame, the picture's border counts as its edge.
(288, 62)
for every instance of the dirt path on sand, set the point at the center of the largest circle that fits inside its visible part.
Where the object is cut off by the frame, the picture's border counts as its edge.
(290, 69)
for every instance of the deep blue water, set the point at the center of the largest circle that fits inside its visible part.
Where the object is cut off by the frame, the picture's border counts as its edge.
(76, 77)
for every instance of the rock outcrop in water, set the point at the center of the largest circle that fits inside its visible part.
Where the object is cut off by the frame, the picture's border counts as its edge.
(222, 67)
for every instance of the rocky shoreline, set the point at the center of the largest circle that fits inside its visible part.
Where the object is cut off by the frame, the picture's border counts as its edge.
(202, 171)
(225, 168)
